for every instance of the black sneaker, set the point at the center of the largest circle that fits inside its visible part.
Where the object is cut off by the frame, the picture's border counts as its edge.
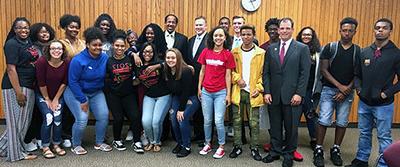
(335, 156)
(119, 145)
(256, 155)
(318, 157)
(183, 152)
(235, 152)
(177, 149)
(138, 147)
(357, 163)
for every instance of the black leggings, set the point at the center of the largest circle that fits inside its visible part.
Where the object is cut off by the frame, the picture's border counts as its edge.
(121, 106)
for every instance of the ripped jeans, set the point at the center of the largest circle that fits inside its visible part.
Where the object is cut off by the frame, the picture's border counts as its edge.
(51, 120)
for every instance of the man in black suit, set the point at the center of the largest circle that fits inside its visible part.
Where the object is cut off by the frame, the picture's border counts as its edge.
(195, 46)
(174, 39)
(286, 72)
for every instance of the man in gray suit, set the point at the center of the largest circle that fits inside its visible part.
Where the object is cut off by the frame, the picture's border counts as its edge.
(286, 72)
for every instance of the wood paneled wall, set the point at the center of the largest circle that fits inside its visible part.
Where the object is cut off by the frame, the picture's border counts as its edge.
(323, 15)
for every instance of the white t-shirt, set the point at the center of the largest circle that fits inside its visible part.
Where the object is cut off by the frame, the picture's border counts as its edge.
(246, 62)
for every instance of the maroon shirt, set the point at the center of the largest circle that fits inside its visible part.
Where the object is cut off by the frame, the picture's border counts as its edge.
(50, 76)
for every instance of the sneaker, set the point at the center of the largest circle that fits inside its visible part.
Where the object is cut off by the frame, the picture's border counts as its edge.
(318, 157)
(39, 144)
(357, 163)
(219, 153)
(67, 143)
(335, 156)
(129, 136)
(183, 152)
(235, 152)
(297, 156)
(31, 147)
(138, 147)
(144, 139)
(177, 149)
(255, 154)
(119, 145)
(79, 150)
(103, 147)
(206, 149)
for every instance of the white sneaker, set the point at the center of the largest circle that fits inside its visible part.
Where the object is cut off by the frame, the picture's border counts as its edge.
(129, 136)
(39, 143)
(67, 143)
(144, 139)
(219, 153)
(206, 149)
(31, 146)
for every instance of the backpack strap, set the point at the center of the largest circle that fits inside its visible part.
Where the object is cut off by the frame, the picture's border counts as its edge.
(333, 46)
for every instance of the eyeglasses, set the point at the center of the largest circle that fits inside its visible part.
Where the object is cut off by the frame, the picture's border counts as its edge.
(56, 48)
(22, 28)
(147, 51)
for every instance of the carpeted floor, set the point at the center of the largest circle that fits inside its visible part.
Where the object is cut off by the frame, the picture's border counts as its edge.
(165, 158)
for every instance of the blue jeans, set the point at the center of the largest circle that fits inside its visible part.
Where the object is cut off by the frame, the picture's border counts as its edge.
(368, 118)
(154, 112)
(328, 105)
(50, 120)
(97, 105)
(182, 130)
(214, 104)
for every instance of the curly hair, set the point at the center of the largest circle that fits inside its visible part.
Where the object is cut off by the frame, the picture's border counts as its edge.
(349, 20)
(154, 58)
(93, 33)
(119, 34)
(105, 16)
(210, 38)
(314, 45)
(271, 21)
(67, 19)
(159, 39)
(35, 29)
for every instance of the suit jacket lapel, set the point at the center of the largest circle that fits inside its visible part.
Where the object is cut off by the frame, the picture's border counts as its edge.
(291, 49)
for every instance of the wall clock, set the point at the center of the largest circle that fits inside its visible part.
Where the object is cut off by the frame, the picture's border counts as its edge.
(251, 5)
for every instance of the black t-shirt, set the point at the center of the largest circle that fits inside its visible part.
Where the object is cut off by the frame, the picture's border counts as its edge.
(154, 82)
(311, 79)
(184, 87)
(120, 75)
(341, 68)
(23, 55)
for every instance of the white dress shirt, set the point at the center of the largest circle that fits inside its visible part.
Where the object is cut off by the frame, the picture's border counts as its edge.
(170, 39)
(197, 43)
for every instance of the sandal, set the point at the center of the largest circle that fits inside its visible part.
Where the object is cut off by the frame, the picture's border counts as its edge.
(79, 150)
(58, 150)
(47, 153)
(30, 157)
(157, 148)
(148, 147)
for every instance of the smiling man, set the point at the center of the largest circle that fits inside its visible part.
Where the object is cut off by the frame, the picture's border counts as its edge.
(285, 76)
(174, 39)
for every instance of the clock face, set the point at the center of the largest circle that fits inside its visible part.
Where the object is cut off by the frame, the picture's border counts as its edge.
(251, 5)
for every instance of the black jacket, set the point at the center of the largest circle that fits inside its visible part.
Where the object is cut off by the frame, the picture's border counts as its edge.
(376, 75)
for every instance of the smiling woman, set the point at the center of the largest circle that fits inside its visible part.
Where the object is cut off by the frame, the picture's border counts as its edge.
(17, 90)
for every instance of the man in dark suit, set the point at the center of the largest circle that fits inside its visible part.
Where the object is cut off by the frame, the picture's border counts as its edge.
(286, 72)
(174, 39)
(195, 46)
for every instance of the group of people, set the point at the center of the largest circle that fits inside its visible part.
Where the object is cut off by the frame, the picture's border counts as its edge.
(196, 80)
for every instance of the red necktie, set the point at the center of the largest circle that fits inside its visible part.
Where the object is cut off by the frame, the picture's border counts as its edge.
(282, 53)
(377, 53)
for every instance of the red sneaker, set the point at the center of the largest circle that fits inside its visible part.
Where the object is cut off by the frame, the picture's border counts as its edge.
(297, 156)
(267, 147)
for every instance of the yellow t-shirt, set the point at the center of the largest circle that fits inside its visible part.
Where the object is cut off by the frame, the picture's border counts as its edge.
(74, 49)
